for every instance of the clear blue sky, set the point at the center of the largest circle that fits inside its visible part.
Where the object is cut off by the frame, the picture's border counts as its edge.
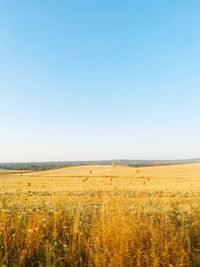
(84, 80)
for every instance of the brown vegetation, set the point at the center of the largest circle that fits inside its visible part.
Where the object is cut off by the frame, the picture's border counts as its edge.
(109, 220)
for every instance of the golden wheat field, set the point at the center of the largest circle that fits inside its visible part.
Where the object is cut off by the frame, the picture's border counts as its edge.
(101, 216)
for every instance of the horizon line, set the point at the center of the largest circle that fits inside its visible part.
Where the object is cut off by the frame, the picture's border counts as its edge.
(102, 160)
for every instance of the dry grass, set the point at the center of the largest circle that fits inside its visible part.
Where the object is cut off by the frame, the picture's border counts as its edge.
(166, 178)
(101, 216)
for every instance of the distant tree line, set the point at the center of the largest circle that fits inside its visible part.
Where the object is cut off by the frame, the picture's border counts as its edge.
(39, 166)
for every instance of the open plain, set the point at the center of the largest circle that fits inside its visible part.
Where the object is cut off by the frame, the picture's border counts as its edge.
(101, 216)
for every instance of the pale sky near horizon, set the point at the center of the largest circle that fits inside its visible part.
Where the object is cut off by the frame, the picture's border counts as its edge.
(92, 80)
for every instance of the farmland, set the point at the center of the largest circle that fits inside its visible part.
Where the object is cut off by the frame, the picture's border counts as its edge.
(101, 216)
